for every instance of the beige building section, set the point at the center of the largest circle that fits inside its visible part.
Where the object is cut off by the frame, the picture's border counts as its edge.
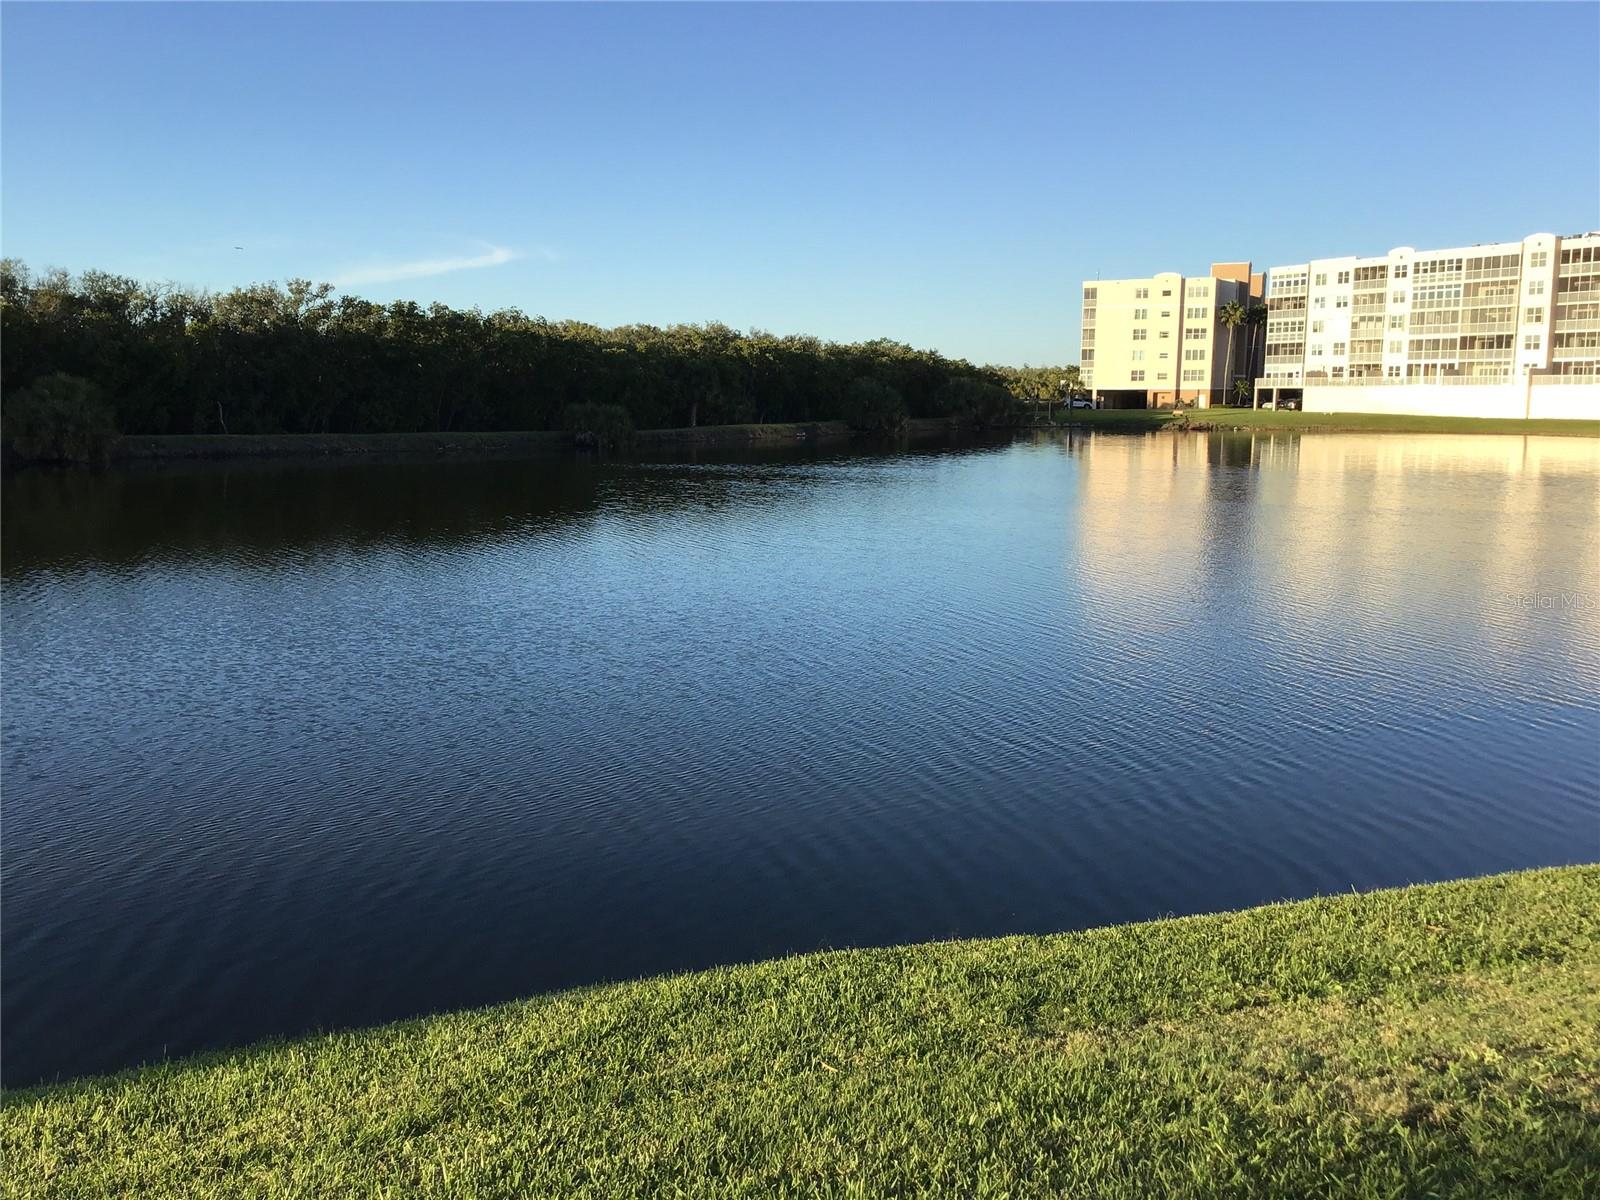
(1500, 329)
(1156, 342)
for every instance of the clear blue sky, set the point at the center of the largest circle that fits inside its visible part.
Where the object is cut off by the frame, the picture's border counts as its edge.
(945, 175)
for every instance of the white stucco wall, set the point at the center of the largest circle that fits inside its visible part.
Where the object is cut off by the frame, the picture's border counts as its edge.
(1549, 401)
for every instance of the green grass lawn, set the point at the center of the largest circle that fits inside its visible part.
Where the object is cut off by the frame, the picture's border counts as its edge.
(1246, 418)
(1431, 1041)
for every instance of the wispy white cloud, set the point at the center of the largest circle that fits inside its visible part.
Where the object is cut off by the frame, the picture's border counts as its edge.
(492, 256)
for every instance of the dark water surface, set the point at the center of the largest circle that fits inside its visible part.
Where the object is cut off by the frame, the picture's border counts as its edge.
(290, 747)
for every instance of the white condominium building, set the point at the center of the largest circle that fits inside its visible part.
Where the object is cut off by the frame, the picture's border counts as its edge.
(1156, 341)
(1473, 314)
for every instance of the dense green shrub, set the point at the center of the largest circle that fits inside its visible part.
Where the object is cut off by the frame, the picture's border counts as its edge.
(599, 426)
(979, 403)
(61, 418)
(874, 407)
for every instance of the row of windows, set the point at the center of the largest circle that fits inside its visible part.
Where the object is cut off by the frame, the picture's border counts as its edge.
(1589, 311)
(1497, 289)
(1367, 274)
(1195, 354)
(1580, 254)
(1449, 316)
(1585, 340)
(1578, 283)
(1195, 334)
(1495, 262)
(1196, 314)
(1437, 291)
(1192, 376)
(1438, 266)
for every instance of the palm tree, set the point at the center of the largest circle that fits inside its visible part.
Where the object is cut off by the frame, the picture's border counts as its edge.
(1232, 315)
(1256, 318)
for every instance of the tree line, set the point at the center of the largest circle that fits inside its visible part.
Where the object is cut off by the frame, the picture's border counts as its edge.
(298, 358)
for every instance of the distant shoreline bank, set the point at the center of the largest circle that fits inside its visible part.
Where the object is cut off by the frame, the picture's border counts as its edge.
(1202, 420)
(171, 447)
(146, 448)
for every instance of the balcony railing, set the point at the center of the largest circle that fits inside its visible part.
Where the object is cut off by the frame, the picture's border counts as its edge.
(1449, 380)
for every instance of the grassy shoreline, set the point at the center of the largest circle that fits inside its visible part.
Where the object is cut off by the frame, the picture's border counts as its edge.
(1434, 1040)
(163, 447)
(1271, 419)
(171, 447)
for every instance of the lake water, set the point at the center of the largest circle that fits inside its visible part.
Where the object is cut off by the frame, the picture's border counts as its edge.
(289, 747)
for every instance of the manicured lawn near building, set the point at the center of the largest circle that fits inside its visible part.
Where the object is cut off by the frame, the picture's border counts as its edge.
(1268, 419)
(1431, 1041)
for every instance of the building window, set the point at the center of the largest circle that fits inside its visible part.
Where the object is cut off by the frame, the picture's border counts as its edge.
(1338, 349)
(1136, 376)
(1197, 354)
(1316, 327)
(1163, 354)
(1341, 302)
(1316, 352)
(1396, 347)
(1322, 279)
(1136, 356)
(1531, 342)
(1397, 298)
(1539, 258)
(1166, 291)
(1141, 293)
(1344, 276)
(1536, 288)
(1166, 313)
(1392, 372)
(1199, 291)
(1194, 376)
(1195, 314)
(1401, 271)
(1161, 375)
(1533, 316)
(1397, 322)
(1165, 333)
(1089, 293)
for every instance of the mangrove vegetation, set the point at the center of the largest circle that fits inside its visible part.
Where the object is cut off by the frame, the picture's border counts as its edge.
(89, 354)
